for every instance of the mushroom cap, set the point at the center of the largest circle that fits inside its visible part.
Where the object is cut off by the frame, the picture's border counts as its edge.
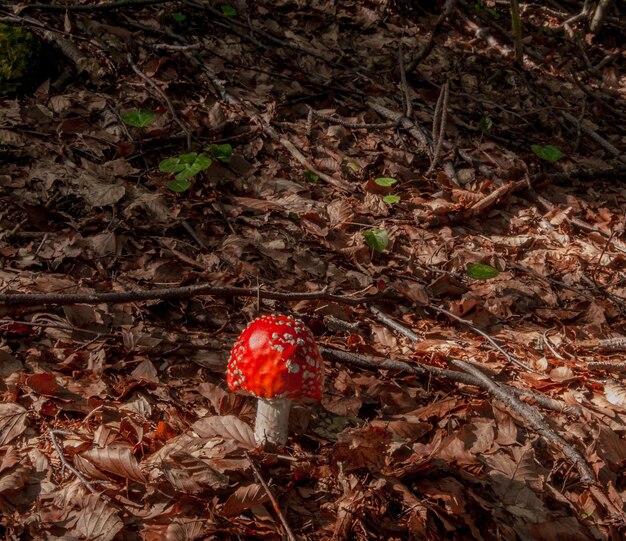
(276, 357)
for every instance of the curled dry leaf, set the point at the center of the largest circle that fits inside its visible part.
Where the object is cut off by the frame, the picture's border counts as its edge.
(226, 426)
(615, 393)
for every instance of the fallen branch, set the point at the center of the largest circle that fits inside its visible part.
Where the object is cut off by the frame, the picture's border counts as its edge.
(176, 293)
(363, 361)
(282, 519)
(337, 183)
(536, 421)
(104, 6)
(476, 330)
(533, 417)
(65, 464)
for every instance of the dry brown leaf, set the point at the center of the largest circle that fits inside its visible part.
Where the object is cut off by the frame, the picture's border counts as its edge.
(13, 420)
(96, 519)
(244, 498)
(226, 426)
(192, 475)
(116, 459)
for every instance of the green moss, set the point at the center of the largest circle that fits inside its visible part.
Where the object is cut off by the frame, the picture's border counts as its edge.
(19, 57)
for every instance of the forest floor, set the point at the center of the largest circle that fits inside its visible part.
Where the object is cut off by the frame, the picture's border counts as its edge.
(448, 221)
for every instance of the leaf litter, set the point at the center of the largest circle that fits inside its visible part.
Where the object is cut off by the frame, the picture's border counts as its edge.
(116, 422)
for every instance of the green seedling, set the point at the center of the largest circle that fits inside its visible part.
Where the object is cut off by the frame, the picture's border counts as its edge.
(485, 123)
(185, 166)
(549, 153)
(179, 18)
(480, 271)
(391, 199)
(376, 239)
(311, 177)
(228, 11)
(385, 181)
(141, 118)
(223, 153)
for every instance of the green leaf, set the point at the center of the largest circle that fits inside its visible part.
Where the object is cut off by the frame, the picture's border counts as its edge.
(180, 18)
(222, 153)
(485, 123)
(170, 165)
(294, 216)
(185, 165)
(480, 271)
(179, 186)
(228, 11)
(311, 177)
(550, 153)
(391, 199)
(376, 239)
(139, 119)
(385, 181)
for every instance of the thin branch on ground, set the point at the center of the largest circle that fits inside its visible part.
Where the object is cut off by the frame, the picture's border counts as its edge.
(102, 6)
(534, 419)
(352, 125)
(406, 92)
(439, 124)
(273, 500)
(409, 125)
(427, 49)
(163, 96)
(476, 330)
(363, 361)
(65, 464)
(337, 183)
(177, 293)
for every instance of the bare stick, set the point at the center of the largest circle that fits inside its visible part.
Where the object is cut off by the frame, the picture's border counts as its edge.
(34, 299)
(337, 183)
(439, 124)
(408, 104)
(163, 96)
(475, 329)
(354, 125)
(53, 434)
(534, 420)
(103, 6)
(414, 129)
(606, 145)
(447, 9)
(277, 510)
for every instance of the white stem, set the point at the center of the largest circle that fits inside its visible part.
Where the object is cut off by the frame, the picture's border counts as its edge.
(272, 420)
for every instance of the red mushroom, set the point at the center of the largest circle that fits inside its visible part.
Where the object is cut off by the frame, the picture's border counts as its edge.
(275, 359)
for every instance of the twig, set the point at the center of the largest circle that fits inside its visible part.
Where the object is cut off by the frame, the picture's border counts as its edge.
(163, 96)
(475, 329)
(409, 125)
(392, 324)
(53, 434)
(176, 293)
(408, 103)
(337, 183)
(595, 136)
(370, 363)
(277, 510)
(118, 4)
(193, 234)
(353, 125)
(533, 417)
(439, 124)
(419, 58)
